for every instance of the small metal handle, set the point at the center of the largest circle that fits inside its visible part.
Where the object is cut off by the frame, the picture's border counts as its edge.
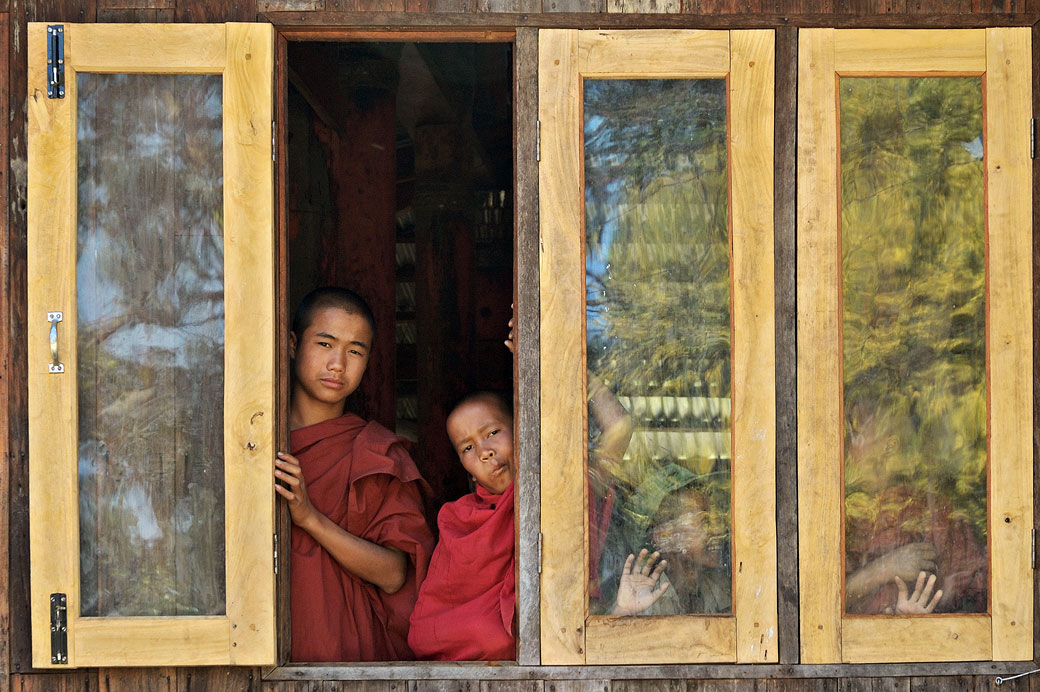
(55, 366)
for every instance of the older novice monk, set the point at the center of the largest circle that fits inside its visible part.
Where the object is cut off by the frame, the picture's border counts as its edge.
(360, 543)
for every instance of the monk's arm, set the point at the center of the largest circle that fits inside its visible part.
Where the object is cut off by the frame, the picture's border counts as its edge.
(385, 567)
(615, 423)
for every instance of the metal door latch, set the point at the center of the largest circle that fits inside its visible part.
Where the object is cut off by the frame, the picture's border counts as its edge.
(55, 61)
(59, 629)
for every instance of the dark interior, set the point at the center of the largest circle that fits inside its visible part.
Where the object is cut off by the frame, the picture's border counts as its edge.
(400, 187)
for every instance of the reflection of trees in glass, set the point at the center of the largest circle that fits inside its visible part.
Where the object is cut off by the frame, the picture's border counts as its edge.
(913, 288)
(150, 344)
(658, 288)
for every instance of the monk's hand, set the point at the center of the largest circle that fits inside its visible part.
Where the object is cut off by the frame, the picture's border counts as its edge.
(921, 601)
(641, 583)
(511, 339)
(293, 488)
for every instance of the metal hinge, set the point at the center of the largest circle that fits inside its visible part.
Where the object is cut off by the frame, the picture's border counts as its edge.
(55, 61)
(539, 553)
(59, 628)
(276, 553)
(537, 140)
(1032, 138)
(272, 140)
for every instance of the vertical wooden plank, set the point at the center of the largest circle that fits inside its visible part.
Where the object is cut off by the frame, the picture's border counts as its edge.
(54, 548)
(574, 5)
(293, 686)
(249, 358)
(283, 522)
(1035, 51)
(219, 679)
(941, 683)
(138, 680)
(511, 686)
(5, 367)
(289, 5)
(19, 640)
(1010, 339)
(74, 681)
(874, 685)
(134, 16)
(527, 364)
(443, 686)
(360, 686)
(660, 685)
(784, 221)
(754, 351)
(563, 496)
(199, 11)
(23, 11)
(578, 685)
(508, 5)
(644, 6)
(136, 4)
(819, 440)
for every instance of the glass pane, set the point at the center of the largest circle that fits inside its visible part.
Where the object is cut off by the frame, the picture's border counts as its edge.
(658, 339)
(150, 309)
(914, 343)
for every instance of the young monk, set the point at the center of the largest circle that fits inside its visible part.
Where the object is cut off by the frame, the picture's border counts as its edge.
(360, 543)
(465, 607)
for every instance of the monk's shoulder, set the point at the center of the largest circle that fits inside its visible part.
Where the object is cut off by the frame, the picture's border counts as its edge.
(377, 450)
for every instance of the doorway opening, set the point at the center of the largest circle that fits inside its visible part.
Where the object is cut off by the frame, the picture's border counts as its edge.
(399, 186)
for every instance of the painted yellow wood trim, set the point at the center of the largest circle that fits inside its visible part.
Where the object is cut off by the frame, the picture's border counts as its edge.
(1010, 334)
(819, 427)
(916, 50)
(754, 351)
(653, 53)
(662, 639)
(249, 356)
(174, 641)
(147, 48)
(563, 499)
(909, 639)
(51, 267)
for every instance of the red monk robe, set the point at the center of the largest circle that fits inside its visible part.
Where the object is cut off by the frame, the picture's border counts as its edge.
(360, 476)
(465, 607)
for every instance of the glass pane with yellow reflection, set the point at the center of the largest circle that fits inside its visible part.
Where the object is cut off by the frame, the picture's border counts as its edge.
(150, 320)
(913, 290)
(657, 264)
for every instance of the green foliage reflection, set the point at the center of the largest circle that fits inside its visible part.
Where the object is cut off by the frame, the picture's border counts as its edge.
(913, 323)
(658, 316)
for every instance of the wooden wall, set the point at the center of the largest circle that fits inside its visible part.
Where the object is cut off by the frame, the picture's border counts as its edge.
(303, 16)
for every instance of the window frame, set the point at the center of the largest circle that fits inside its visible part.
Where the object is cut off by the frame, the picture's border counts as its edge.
(745, 59)
(827, 635)
(245, 634)
(526, 28)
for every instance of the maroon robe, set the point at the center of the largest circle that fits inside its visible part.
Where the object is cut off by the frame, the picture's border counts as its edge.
(359, 475)
(465, 608)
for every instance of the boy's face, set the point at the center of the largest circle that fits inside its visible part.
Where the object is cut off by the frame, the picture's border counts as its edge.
(482, 434)
(329, 359)
(682, 533)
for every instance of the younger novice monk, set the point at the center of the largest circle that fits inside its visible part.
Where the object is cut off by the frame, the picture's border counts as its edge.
(465, 606)
(360, 543)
